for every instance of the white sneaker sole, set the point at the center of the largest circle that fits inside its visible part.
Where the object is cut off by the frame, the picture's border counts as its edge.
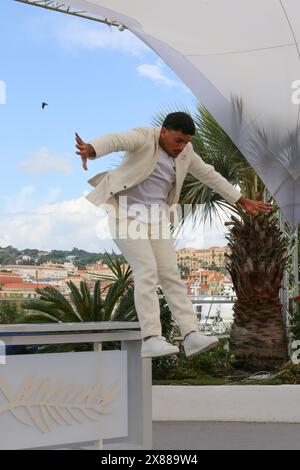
(157, 354)
(194, 352)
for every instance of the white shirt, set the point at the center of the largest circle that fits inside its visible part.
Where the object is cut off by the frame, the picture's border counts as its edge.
(152, 191)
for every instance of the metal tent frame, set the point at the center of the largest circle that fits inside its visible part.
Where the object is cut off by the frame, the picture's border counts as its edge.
(63, 8)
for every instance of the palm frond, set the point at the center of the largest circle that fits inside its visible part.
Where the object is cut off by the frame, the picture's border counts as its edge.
(97, 303)
(118, 268)
(125, 310)
(159, 117)
(53, 297)
(39, 317)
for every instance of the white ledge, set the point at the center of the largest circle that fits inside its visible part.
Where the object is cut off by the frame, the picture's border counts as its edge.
(242, 403)
(80, 326)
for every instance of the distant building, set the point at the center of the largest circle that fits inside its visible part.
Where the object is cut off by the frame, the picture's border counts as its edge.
(26, 257)
(195, 258)
(21, 280)
(72, 270)
(205, 282)
(19, 290)
(37, 273)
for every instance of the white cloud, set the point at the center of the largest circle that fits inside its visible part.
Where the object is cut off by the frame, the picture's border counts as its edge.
(81, 35)
(156, 73)
(76, 222)
(72, 34)
(44, 160)
(60, 225)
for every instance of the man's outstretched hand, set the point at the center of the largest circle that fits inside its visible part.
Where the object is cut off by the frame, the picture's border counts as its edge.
(251, 206)
(84, 150)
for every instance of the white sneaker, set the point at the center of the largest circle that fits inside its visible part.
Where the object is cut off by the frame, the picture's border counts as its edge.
(158, 346)
(197, 343)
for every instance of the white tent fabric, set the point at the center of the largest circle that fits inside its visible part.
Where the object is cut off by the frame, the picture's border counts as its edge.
(230, 50)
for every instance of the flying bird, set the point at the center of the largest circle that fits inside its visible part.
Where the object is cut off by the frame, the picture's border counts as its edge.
(44, 104)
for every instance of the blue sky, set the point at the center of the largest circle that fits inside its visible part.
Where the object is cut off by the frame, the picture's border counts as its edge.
(96, 81)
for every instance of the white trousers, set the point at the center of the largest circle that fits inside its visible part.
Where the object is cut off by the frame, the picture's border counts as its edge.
(152, 258)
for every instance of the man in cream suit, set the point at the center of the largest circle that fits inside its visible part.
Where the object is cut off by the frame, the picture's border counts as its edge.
(150, 176)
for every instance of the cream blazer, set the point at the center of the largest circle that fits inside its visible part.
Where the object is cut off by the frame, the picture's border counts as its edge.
(140, 145)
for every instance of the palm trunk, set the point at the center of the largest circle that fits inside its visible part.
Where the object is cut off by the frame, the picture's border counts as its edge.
(258, 337)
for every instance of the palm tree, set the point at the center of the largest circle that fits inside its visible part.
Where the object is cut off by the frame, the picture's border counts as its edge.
(117, 305)
(256, 264)
(257, 261)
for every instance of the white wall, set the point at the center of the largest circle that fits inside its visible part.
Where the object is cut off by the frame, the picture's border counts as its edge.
(278, 403)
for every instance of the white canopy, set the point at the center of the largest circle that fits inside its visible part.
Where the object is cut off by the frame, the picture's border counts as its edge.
(223, 50)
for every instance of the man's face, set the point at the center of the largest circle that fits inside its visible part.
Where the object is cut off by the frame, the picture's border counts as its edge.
(173, 142)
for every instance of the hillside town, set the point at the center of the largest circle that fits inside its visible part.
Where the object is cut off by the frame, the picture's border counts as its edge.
(203, 271)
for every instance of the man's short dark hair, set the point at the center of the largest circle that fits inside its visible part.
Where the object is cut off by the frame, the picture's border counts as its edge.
(180, 122)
